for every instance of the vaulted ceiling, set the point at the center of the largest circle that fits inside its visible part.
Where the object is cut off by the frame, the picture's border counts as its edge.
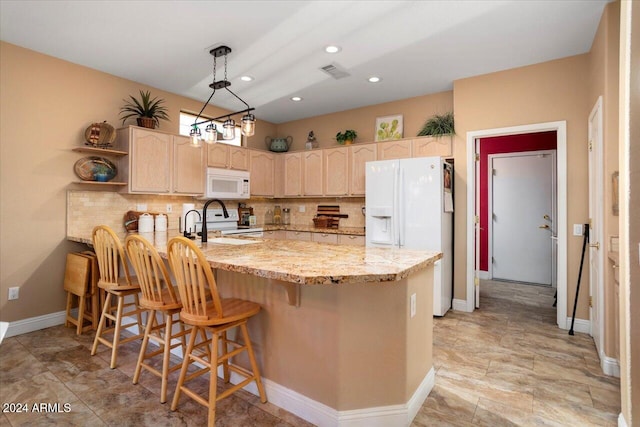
(415, 47)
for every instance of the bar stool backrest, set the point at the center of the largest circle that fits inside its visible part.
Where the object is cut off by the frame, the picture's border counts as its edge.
(110, 253)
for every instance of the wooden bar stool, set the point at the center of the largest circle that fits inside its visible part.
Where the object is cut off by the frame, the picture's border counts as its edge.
(203, 309)
(110, 257)
(158, 295)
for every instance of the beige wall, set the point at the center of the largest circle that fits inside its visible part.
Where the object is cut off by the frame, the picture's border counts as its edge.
(363, 120)
(547, 92)
(45, 106)
(603, 67)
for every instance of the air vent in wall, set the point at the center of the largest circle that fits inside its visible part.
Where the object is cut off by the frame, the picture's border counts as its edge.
(335, 71)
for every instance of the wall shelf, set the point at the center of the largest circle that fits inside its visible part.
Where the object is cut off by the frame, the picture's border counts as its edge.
(98, 183)
(100, 151)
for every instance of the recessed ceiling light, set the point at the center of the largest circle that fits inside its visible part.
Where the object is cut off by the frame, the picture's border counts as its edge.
(296, 98)
(374, 79)
(332, 49)
(246, 78)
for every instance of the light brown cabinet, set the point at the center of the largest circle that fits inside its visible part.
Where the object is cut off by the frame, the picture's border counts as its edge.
(359, 156)
(160, 162)
(262, 169)
(351, 240)
(325, 238)
(390, 150)
(226, 156)
(312, 173)
(336, 171)
(298, 235)
(188, 167)
(292, 185)
(429, 146)
(275, 234)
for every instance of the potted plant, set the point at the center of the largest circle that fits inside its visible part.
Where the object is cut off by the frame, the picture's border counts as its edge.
(147, 111)
(438, 125)
(102, 171)
(346, 137)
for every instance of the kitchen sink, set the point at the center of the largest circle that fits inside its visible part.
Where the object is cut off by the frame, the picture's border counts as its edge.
(231, 241)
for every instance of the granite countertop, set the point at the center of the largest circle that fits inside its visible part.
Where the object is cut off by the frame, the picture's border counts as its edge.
(358, 231)
(307, 263)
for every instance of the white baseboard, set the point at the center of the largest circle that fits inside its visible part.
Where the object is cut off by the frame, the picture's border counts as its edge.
(31, 324)
(483, 275)
(3, 330)
(621, 421)
(461, 305)
(325, 416)
(580, 325)
(610, 366)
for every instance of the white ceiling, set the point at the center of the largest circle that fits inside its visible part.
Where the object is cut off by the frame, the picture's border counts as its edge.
(416, 47)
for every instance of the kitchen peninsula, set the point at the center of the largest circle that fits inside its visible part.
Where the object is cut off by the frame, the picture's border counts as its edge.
(345, 332)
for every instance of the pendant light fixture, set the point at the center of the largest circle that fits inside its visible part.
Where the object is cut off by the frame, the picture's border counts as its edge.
(248, 126)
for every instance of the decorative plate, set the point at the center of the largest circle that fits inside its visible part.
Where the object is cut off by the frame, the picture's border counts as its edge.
(100, 135)
(95, 168)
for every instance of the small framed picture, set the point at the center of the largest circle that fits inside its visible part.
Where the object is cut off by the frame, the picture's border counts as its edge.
(388, 128)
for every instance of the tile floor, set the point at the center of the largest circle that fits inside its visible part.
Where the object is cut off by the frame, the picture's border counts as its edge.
(503, 365)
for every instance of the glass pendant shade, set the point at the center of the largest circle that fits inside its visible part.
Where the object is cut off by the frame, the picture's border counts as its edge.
(229, 129)
(195, 136)
(212, 134)
(248, 125)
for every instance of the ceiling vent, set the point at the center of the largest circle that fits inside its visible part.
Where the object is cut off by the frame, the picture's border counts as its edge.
(336, 71)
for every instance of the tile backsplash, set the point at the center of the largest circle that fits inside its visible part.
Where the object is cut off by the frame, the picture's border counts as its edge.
(86, 209)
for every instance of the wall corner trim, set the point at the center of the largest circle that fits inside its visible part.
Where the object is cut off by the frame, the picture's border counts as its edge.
(610, 366)
(621, 421)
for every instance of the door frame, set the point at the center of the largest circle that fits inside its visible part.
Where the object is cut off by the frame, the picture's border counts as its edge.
(596, 213)
(554, 207)
(561, 134)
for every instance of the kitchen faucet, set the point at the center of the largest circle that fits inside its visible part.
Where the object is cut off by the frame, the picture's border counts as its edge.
(186, 233)
(204, 216)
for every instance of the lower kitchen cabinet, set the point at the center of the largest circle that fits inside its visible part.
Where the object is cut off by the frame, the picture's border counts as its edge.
(298, 235)
(275, 234)
(325, 238)
(350, 239)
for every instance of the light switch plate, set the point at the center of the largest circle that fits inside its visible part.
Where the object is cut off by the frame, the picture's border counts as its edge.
(577, 229)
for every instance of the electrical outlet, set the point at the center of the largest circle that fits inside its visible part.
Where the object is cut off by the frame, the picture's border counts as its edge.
(169, 208)
(412, 304)
(577, 229)
(301, 208)
(14, 293)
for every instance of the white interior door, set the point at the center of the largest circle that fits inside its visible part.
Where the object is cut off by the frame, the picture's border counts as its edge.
(596, 179)
(522, 210)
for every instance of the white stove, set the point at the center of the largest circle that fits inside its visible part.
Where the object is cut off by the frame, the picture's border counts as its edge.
(227, 226)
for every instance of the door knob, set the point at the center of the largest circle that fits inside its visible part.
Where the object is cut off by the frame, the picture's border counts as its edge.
(595, 245)
(544, 226)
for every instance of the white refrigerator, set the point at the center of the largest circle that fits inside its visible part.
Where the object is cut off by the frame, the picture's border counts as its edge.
(409, 204)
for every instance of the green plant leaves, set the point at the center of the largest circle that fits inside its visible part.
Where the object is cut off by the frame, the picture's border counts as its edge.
(438, 125)
(145, 107)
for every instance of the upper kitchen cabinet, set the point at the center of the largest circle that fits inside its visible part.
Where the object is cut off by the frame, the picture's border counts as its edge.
(226, 156)
(336, 171)
(292, 166)
(359, 156)
(160, 162)
(188, 167)
(390, 150)
(429, 146)
(262, 169)
(312, 173)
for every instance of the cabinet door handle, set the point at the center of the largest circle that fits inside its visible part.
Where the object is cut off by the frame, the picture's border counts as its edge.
(352, 237)
(324, 234)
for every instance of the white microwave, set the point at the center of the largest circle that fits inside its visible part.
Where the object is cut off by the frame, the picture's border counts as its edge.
(227, 184)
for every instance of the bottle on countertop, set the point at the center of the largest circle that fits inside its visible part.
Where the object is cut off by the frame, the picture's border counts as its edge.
(268, 217)
(286, 216)
(277, 215)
